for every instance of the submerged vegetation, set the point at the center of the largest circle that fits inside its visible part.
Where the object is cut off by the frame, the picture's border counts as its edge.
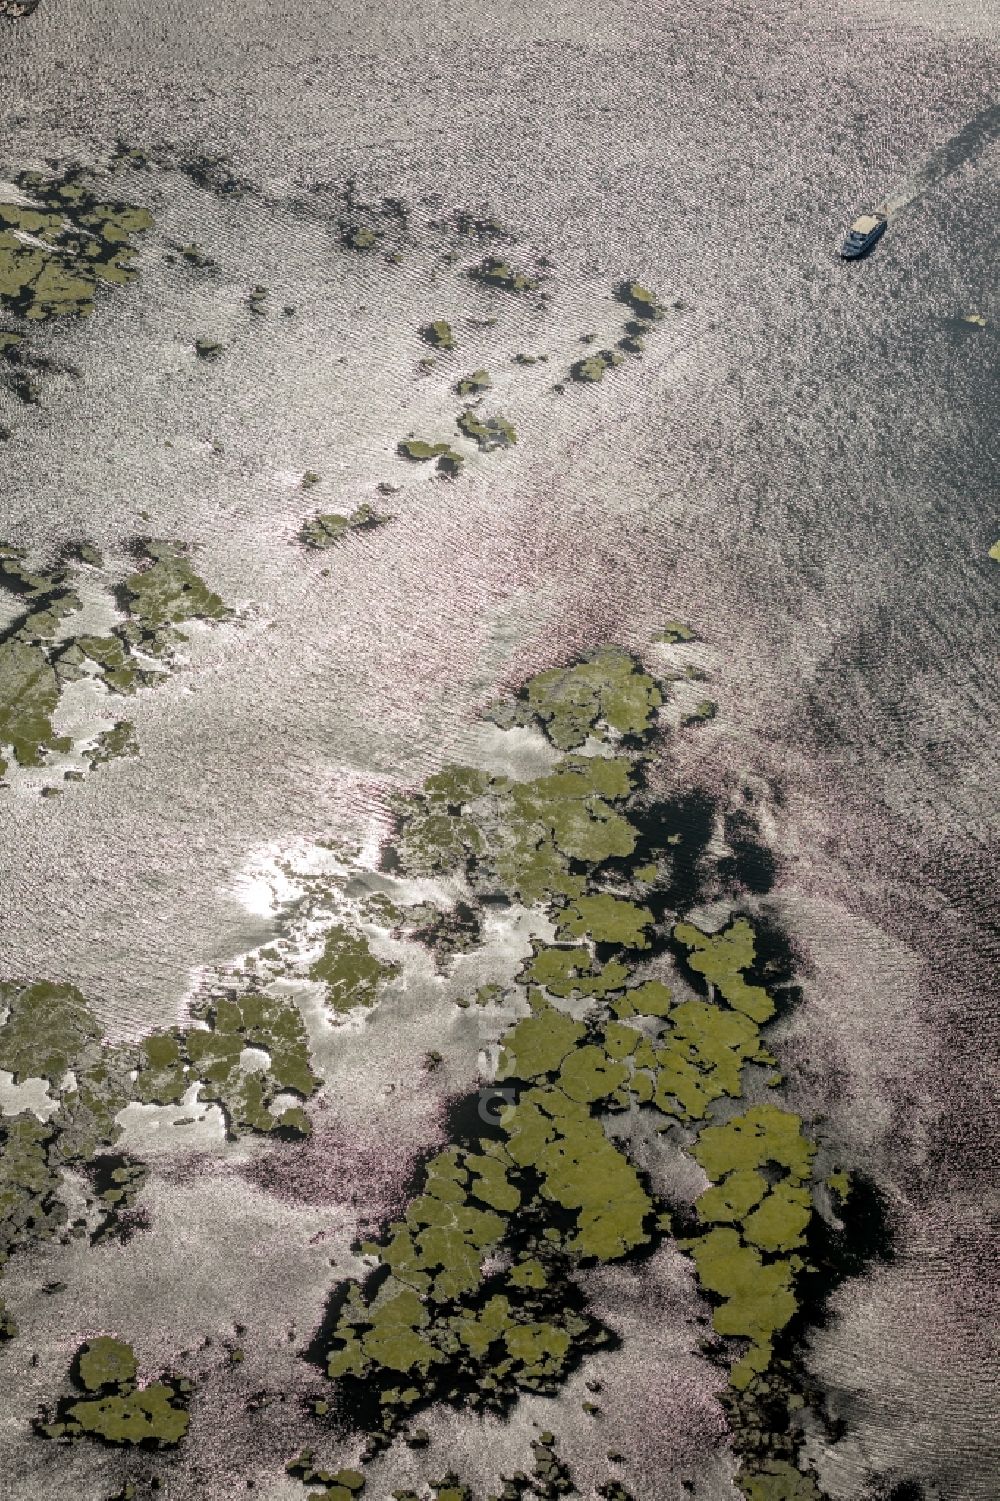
(487, 432)
(62, 242)
(326, 528)
(627, 1006)
(50, 1033)
(114, 1407)
(473, 1297)
(39, 654)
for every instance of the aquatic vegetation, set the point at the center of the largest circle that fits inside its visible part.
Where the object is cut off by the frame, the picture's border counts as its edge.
(607, 919)
(49, 1032)
(722, 959)
(569, 971)
(46, 1030)
(474, 1298)
(207, 349)
(489, 433)
(37, 658)
(31, 1209)
(674, 631)
(418, 449)
(29, 693)
(704, 709)
(644, 303)
(608, 691)
(360, 236)
(474, 384)
(474, 1285)
(495, 272)
(109, 745)
(166, 590)
(339, 1485)
(114, 1407)
(55, 253)
(210, 1055)
(995, 552)
(438, 334)
(327, 528)
(349, 971)
(449, 460)
(596, 366)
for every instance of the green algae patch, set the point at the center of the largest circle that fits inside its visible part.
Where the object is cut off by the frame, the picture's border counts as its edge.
(439, 1321)
(566, 971)
(701, 1058)
(474, 384)
(449, 460)
(438, 334)
(38, 657)
(778, 1480)
(360, 236)
(608, 690)
(164, 1073)
(326, 529)
(779, 1223)
(607, 919)
(644, 303)
(106, 1362)
(731, 1201)
(113, 744)
(650, 999)
(704, 710)
(474, 1289)
(49, 1032)
(253, 1021)
(167, 590)
(720, 958)
(209, 1055)
(492, 1309)
(496, 272)
(596, 366)
(538, 1044)
(349, 971)
(758, 1299)
(673, 632)
(116, 1409)
(54, 254)
(764, 1135)
(29, 693)
(579, 1170)
(489, 432)
(31, 1209)
(339, 1485)
(47, 1029)
(588, 1074)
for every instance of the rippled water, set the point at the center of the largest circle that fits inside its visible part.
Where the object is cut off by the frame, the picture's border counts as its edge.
(806, 470)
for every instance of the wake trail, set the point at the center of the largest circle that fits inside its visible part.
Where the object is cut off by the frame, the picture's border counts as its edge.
(980, 130)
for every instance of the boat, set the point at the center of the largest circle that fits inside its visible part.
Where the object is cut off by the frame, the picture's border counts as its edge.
(862, 235)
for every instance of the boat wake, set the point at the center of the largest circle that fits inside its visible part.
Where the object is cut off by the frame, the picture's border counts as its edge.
(979, 131)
